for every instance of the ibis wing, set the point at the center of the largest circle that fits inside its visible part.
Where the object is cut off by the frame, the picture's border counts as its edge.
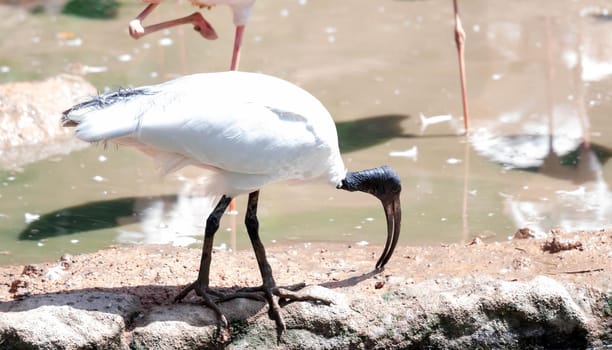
(247, 138)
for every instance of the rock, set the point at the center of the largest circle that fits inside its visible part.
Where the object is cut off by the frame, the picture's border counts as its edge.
(451, 297)
(30, 115)
(450, 313)
(188, 325)
(480, 313)
(84, 320)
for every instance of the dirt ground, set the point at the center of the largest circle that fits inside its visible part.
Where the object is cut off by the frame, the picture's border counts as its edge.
(157, 273)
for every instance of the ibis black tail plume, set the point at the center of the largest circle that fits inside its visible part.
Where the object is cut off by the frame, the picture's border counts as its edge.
(101, 102)
(384, 184)
(109, 116)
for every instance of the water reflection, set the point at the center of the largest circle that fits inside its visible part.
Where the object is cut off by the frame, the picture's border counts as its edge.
(556, 142)
(580, 199)
(367, 132)
(540, 84)
(90, 217)
(179, 219)
(543, 128)
(80, 218)
(602, 16)
(92, 9)
(571, 160)
(98, 9)
(166, 219)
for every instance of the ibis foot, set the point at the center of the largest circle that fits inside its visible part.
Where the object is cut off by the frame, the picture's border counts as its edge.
(285, 295)
(223, 330)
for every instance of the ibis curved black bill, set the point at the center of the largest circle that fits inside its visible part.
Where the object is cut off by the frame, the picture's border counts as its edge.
(393, 213)
(384, 184)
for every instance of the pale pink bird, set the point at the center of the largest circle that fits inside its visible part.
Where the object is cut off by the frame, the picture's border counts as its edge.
(241, 10)
(460, 42)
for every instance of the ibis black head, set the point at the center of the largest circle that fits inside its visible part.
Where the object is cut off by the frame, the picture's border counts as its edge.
(384, 184)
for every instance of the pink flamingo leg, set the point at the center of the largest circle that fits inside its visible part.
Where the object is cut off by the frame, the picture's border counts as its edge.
(196, 19)
(237, 46)
(460, 41)
(234, 66)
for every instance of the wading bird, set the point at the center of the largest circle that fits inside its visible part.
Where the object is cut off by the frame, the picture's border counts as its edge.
(460, 43)
(241, 10)
(245, 130)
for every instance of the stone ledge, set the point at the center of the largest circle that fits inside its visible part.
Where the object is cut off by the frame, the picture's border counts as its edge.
(453, 313)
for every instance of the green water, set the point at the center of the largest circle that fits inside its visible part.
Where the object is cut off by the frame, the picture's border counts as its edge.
(375, 76)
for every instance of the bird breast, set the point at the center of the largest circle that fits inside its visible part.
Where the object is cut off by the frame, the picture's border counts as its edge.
(241, 8)
(202, 4)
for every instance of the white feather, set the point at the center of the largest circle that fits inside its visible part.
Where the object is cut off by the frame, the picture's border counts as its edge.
(249, 128)
(117, 120)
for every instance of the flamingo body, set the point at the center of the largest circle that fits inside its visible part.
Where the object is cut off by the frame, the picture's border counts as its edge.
(241, 10)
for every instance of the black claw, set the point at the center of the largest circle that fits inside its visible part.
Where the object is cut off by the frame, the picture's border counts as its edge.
(184, 293)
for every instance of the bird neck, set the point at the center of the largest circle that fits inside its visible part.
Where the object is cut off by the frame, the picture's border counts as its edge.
(380, 182)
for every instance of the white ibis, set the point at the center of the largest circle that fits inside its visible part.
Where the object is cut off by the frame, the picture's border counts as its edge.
(241, 10)
(246, 130)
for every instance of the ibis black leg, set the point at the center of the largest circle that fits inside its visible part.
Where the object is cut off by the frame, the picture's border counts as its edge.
(269, 287)
(252, 225)
(200, 286)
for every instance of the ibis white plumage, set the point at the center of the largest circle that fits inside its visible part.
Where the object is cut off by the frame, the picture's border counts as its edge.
(241, 10)
(246, 130)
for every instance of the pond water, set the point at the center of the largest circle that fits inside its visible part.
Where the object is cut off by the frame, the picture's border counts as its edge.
(540, 89)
